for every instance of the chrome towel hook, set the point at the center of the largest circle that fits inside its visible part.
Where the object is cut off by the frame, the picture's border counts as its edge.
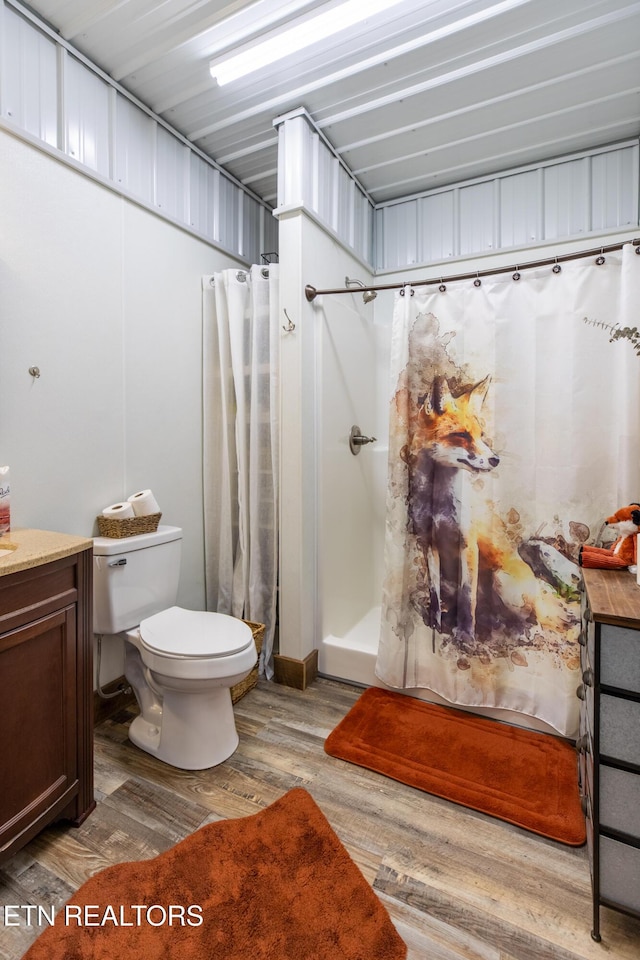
(357, 440)
(290, 327)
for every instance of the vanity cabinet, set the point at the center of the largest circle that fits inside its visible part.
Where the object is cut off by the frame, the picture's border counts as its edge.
(609, 740)
(46, 688)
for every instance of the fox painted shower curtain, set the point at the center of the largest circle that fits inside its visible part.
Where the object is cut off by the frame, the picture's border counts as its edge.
(514, 430)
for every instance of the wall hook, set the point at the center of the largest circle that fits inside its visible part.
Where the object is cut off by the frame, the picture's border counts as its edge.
(35, 372)
(290, 324)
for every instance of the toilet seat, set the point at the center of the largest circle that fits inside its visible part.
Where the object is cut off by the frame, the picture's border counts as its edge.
(194, 634)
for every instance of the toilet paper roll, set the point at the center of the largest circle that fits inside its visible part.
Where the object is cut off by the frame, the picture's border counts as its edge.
(144, 503)
(119, 511)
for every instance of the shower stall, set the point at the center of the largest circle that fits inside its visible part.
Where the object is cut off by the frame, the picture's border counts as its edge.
(335, 376)
(353, 352)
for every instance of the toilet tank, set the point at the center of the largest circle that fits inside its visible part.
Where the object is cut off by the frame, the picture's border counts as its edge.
(134, 577)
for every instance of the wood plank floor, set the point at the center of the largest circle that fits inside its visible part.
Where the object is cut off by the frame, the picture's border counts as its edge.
(457, 884)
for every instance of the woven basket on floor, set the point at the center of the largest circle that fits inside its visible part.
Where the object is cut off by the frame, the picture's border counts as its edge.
(249, 682)
(131, 526)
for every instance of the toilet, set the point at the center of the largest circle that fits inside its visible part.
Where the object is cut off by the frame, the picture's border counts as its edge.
(180, 663)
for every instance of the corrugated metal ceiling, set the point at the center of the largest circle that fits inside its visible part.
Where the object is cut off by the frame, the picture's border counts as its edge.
(428, 93)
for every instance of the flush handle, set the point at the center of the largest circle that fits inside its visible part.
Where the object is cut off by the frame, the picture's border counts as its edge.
(118, 563)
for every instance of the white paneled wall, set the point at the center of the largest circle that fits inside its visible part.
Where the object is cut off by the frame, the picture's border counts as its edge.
(29, 97)
(134, 150)
(561, 199)
(312, 177)
(62, 102)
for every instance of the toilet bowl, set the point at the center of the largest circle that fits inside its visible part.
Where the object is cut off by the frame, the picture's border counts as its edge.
(180, 663)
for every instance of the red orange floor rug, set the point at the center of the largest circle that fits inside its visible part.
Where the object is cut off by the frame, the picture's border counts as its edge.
(526, 778)
(277, 885)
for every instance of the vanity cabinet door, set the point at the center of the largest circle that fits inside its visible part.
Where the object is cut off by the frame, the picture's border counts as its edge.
(39, 735)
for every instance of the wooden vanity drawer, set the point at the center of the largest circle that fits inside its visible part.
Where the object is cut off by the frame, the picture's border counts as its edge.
(36, 592)
(620, 658)
(620, 728)
(620, 873)
(620, 800)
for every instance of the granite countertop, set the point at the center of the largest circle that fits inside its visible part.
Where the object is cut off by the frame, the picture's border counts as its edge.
(24, 548)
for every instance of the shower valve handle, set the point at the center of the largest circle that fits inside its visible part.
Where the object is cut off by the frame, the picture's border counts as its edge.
(358, 440)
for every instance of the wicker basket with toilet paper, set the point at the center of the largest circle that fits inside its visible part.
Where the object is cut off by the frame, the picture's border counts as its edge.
(140, 513)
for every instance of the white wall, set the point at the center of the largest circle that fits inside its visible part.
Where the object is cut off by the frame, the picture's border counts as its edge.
(104, 297)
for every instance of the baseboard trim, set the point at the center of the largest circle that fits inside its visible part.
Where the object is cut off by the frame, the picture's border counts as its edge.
(295, 673)
(105, 709)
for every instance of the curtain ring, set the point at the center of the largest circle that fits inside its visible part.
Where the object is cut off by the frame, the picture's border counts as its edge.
(556, 267)
(516, 275)
(600, 260)
(443, 287)
(477, 282)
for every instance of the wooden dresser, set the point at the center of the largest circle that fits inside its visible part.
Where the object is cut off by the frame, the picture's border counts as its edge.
(609, 741)
(46, 684)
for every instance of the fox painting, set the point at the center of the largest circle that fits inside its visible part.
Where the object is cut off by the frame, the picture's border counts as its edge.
(488, 592)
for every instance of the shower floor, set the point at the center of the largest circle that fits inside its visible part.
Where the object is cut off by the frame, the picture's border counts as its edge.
(353, 656)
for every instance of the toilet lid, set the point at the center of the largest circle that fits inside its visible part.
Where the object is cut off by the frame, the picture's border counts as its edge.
(194, 633)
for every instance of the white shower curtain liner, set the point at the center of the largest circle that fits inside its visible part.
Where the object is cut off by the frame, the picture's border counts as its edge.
(514, 430)
(241, 446)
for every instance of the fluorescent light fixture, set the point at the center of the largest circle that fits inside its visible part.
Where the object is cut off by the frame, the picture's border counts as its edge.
(295, 38)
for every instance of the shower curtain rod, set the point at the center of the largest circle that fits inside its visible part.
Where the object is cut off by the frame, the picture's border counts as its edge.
(311, 293)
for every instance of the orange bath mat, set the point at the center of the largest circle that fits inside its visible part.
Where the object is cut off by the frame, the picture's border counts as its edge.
(277, 885)
(529, 779)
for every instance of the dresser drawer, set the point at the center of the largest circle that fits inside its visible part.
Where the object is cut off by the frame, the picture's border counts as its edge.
(620, 800)
(620, 657)
(620, 728)
(620, 873)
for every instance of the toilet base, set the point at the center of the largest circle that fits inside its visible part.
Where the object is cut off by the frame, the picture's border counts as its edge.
(191, 727)
(207, 719)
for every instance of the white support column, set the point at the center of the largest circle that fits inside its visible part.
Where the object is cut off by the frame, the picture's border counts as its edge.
(298, 453)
